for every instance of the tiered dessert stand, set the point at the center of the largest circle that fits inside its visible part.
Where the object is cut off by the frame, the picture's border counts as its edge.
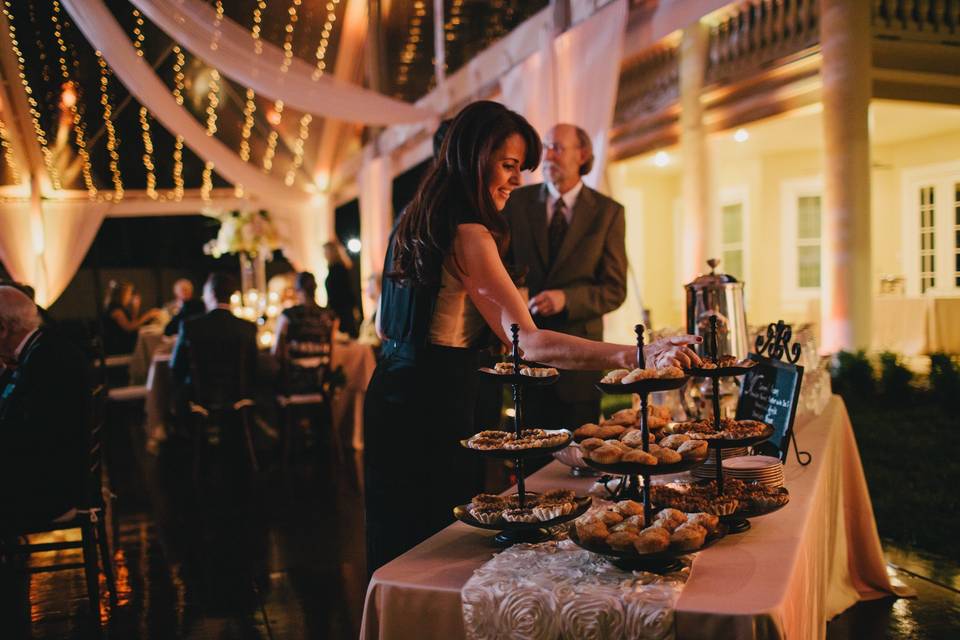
(514, 532)
(631, 488)
(737, 522)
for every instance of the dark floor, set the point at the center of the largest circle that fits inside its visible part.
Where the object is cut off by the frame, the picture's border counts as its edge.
(280, 555)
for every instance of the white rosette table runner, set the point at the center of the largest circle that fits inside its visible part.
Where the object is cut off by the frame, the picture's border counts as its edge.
(558, 590)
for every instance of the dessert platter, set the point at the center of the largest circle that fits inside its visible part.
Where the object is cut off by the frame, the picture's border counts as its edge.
(721, 433)
(739, 499)
(522, 517)
(622, 533)
(618, 425)
(527, 523)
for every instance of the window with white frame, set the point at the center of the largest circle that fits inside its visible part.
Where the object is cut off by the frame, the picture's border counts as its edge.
(808, 242)
(931, 229)
(731, 238)
(801, 261)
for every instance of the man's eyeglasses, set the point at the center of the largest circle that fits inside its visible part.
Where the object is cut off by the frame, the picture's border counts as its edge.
(556, 147)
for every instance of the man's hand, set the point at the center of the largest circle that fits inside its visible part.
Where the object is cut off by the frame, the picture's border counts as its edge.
(548, 303)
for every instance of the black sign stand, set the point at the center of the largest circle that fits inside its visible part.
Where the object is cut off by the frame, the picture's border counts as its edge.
(776, 348)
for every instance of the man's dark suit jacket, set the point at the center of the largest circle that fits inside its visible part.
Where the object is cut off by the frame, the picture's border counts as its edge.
(44, 429)
(190, 309)
(216, 355)
(591, 267)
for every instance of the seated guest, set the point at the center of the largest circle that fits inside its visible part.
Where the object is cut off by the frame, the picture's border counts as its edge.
(43, 410)
(122, 318)
(216, 353)
(184, 306)
(305, 333)
(45, 320)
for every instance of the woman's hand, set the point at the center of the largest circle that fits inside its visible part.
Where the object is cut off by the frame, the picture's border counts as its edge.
(672, 352)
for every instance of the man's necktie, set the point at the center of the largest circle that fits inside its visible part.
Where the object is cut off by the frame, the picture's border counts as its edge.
(557, 229)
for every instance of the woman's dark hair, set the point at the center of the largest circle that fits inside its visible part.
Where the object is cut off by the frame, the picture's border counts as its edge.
(454, 190)
(115, 291)
(306, 282)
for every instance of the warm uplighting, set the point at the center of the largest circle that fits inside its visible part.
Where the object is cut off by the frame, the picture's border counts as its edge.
(68, 96)
(741, 135)
(353, 245)
(274, 117)
(661, 159)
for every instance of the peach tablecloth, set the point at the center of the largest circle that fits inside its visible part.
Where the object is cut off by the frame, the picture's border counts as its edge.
(784, 578)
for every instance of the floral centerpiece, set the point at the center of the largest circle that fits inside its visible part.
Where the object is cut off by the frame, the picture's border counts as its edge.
(244, 232)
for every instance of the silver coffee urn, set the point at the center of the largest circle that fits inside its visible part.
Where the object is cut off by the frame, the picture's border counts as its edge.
(721, 295)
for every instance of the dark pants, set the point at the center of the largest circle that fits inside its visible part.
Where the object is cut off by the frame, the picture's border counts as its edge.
(418, 407)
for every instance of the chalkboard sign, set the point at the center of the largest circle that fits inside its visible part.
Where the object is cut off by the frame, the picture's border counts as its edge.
(770, 393)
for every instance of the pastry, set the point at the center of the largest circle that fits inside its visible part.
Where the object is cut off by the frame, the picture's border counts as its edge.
(666, 456)
(591, 530)
(609, 516)
(629, 508)
(688, 537)
(670, 372)
(607, 454)
(610, 431)
(652, 540)
(723, 506)
(539, 372)
(622, 540)
(614, 376)
(549, 511)
(708, 521)
(633, 523)
(503, 368)
(673, 441)
(639, 456)
(693, 449)
(487, 500)
(624, 417)
(519, 515)
(588, 430)
(486, 515)
(558, 495)
(669, 519)
(637, 375)
(591, 443)
(633, 439)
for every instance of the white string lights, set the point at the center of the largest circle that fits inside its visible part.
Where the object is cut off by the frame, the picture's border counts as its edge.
(79, 129)
(274, 136)
(213, 101)
(178, 86)
(138, 41)
(112, 143)
(31, 101)
(409, 52)
(8, 153)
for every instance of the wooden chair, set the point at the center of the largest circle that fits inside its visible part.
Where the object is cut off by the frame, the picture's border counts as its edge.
(205, 415)
(310, 403)
(89, 517)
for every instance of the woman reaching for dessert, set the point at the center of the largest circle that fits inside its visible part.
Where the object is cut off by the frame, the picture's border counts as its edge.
(445, 289)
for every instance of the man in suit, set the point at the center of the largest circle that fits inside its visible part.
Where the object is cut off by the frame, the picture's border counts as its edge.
(183, 306)
(570, 238)
(44, 405)
(215, 356)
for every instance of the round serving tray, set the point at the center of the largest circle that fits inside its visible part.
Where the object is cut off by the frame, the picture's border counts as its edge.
(660, 562)
(719, 372)
(635, 469)
(756, 513)
(517, 378)
(718, 443)
(514, 454)
(513, 532)
(642, 386)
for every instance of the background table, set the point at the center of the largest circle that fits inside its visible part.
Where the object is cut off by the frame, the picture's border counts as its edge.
(784, 578)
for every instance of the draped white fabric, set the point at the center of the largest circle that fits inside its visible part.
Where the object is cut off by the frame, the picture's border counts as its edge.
(376, 207)
(259, 65)
(573, 78)
(43, 244)
(302, 231)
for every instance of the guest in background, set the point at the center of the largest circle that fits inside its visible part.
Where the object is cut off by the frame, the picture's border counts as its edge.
(43, 408)
(570, 239)
(184, 306)
(122, 318)
(304, 343)
(218, 347)
(368, 328)
(340, 296)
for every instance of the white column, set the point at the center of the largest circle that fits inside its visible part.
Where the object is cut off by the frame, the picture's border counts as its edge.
(694, 157)
(845, 270)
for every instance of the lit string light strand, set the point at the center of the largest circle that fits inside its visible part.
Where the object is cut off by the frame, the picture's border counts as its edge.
(148, 165)
(112, 142)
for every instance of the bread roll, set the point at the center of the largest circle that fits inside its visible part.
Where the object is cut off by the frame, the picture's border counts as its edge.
(693, 449)
(673, 441)
(591, 443)
(622, 540)
(666, 456)
(639, 456)
(708, 521)
(652, 540)
(688, 537)
(607, 454)
(629, 507)
(588, 430)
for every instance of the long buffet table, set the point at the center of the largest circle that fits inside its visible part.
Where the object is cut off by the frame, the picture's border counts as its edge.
(784, 578)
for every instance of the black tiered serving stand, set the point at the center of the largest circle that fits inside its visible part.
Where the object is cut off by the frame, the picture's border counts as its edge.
(630, 486)
(736, 523)
(514, 532)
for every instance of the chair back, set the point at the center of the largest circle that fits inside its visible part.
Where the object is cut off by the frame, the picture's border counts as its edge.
(309, 344)
(96, 421)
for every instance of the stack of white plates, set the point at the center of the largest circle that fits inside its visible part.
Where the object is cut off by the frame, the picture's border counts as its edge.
(709, 467)
(763, 469)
